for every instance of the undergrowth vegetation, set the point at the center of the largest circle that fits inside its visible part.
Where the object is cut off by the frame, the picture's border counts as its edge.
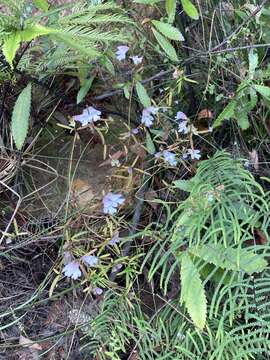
(134, 179)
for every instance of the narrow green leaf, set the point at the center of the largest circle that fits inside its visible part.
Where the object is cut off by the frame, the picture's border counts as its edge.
(192, 292)
(142, 94)
(171, 10)
(20, 117)
(190, 9)
(166, 45)
(10, 47)
(168, 30)
(226, 114)
(150, 144)
(263, 90)
(84, 89)
(41, 4)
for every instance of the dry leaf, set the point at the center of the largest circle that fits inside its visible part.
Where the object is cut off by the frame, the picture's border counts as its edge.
(205, 114)
(254, 160)
(24, 341)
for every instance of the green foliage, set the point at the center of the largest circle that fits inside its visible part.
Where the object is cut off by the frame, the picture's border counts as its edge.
(142, 94)
(20, 116)
(166, 45)
(190, 9)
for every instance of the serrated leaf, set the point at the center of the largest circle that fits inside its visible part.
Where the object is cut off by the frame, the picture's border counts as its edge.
(168, 30)
(166, 45)
(142, 94)
(84, 89)
(171, 10)
(20, 117)
(41, 4)
(150, 144)
(190, 9)
(263, 90)
(230, 258)
(192, 292)
(10, 46)
(226, 114)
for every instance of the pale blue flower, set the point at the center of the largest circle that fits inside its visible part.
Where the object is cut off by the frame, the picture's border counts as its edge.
(182, 127)
(147, 119)
(89, 115)
(170, 157)
(136, 59)
(111, 202)
(72, 270)
(90, 260)
(121, 52)
(193, 153)
(181, 116)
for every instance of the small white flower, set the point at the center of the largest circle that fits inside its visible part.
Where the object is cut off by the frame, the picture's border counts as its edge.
(121, 52)
(210, 129)
(72, 270)
(182, 127)
(90, 260)
(136, 59)
(89, 115)
(170, 157)
(181, 116)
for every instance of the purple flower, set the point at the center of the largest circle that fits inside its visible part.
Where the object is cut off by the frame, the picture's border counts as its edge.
(121, 52)
(181, 116)
(110, 203)
(193, 153)
(89, 115)
(170, 157)
(72, 270)
(90, 260)
(147, 118)
(136, 59)
(135, 131)
(97, 291)
(182, 127)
